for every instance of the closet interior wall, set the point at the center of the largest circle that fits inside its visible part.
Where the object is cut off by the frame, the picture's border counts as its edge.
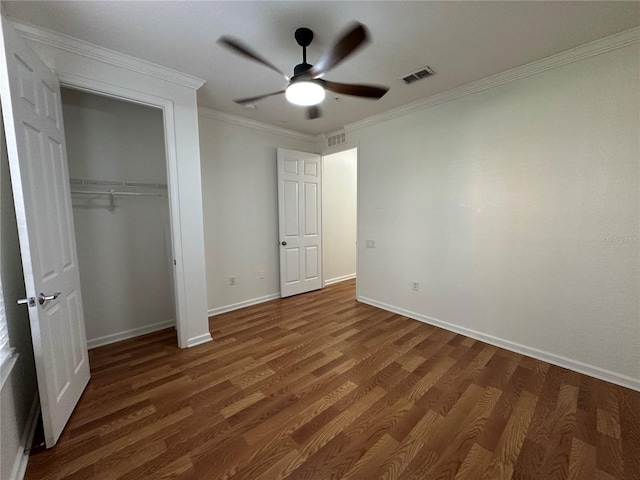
(123, 240)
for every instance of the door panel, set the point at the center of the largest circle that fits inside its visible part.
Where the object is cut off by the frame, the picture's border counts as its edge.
(291, 217)
(311, 261)
(32, 113)
(300, 213)
(311, 217)
(292, 265)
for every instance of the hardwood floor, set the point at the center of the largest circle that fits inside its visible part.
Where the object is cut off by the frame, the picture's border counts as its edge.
(320, 387)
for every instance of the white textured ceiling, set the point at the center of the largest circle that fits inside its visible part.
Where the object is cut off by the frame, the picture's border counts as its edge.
(461, 41)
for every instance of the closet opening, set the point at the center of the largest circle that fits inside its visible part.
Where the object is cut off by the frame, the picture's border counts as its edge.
(118, 174)
(340, 215)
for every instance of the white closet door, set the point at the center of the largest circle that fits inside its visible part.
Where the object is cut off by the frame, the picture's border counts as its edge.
(32, 113)
(300, 214)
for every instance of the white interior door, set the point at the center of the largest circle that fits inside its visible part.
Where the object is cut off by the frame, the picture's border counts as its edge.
(32, 113)
(300, 213)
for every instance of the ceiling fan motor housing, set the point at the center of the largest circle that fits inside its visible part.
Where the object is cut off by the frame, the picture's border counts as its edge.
(300, 69)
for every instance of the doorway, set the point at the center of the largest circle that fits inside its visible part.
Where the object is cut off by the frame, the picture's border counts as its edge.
(340, 213)
(118, 174)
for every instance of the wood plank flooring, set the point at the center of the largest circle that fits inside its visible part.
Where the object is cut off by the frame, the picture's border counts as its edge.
(320, 387)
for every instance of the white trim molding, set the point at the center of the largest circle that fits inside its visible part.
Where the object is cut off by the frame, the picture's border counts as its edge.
(168, 107)
(246, 303)
(339, 279)
(597, 47)
(580, 367)
(101, 54)
(246, 122)
(199, 340)
(127, 334)
(22, 458)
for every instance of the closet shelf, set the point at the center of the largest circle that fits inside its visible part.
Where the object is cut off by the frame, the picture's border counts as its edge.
(112, 183)
(113, 192)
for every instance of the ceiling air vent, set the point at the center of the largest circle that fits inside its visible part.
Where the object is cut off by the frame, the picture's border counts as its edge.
(336, 139)
(418, 75)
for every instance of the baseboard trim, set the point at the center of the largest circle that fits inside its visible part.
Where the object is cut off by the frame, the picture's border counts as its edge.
(339, 279)
(246, 303)
(22, 459)
(199, 340)
(127, 334)
(580, 367)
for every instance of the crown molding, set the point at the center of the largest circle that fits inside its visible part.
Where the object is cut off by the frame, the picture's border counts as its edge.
(597, 47)
(265, 127)
(101, 54)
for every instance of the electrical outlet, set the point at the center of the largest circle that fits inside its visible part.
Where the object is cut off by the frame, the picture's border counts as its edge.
(260, 274)
(371, 244)
(415, 286)
(232, 280)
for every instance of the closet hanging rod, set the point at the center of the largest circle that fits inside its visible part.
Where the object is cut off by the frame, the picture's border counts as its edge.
(112, 195)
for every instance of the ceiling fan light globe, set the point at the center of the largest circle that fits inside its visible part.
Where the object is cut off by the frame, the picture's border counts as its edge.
(305, 93)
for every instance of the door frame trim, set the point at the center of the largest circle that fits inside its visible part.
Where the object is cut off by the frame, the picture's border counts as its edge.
(171, 161)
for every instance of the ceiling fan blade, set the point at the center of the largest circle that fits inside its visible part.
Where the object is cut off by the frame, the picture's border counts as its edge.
(237, 47)
(245, 101)
(356, 37)
(313, 112)
(369, 91)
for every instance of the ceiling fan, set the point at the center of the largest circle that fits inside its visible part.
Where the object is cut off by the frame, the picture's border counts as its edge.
(306, 87)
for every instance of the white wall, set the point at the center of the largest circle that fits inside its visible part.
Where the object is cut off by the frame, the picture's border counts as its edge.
(124, 256)
(87, 66)
(517, 210)
(339, 213)
(241, 208)
(20, 389)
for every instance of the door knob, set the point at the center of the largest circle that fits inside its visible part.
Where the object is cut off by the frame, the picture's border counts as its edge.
(42, 298)
(284, 243)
